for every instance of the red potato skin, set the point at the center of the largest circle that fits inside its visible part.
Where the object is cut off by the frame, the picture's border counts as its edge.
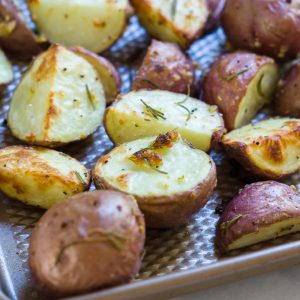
(269, 27)
(287, 101)
(21, 43)
(95, 264)
(228, 94)
(261, 204)
(215, 8)
(165, 67)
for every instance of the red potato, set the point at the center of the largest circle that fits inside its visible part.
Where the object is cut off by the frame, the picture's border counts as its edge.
(215, 8)
(269, 27)
(240, 84)
(287, 101)
(165, 67)
(262, 211)
(90, 241)
(15, 36)
(108, 74)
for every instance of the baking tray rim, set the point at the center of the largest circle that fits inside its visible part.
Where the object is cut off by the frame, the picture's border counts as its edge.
(220, 272)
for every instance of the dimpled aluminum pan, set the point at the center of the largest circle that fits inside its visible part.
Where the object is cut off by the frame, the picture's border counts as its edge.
(184, 252)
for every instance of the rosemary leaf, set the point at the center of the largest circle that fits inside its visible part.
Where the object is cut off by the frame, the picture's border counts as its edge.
(234, 75)
(228, 224)
(154, 168)
(174, 9)
(156, 114)
(150, 82)
(79, 177)
(90, 97)
(184, 107)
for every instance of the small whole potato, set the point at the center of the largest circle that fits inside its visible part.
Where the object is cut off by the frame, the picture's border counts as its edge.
(90, 241)
(262, 211)
(287, 102)
(269, 27)
(39, 176)
(240, 84)
(165, 67)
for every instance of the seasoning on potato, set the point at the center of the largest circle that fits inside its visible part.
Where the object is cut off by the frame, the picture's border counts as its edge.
(240, 84)
(146, 113)
(287, 102)
(6, 72)
(93, 24)
(90, 241)
(269, 149)
(170, 179)
(39, 176)
(60, 99)
(262, 211)
(15, 36)
(180, 22)
(269, 27)
(165, 67)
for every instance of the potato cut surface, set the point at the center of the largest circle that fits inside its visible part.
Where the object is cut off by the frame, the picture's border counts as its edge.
(60, 99)
(6, 73)
(94, 25)
(39, 176)
(146, 113)
(183, 169)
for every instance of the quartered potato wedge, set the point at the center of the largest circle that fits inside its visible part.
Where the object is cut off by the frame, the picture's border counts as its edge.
(146, 113)
(6, 72)
(92, 24)
(169, 179)
(60, 99)
(268, 149)
(240, 84)
(262, 211)
(179, 22)
(40, 176)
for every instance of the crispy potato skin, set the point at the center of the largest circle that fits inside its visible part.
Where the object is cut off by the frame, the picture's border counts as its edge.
(20, 42)
(270, 27)
(165, 67)
(287, 101)
(68, 254)
(274, 149)
(30, 175)
(226, 93)
(172, 210)
(107, 72)
(259, 205)
(215, 8)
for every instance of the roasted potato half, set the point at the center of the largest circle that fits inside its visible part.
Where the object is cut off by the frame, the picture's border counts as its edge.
(6, 72)
(268, 149)
(262, 211)
(15, 36)
(89, 241)
(146, 113)
(92, 24)
(287, 102)
(179, 22)
(269, 27)
(60, 99)
(107, 73)
(165, 67)
(240, 84)
(169, 179)
(40, 176)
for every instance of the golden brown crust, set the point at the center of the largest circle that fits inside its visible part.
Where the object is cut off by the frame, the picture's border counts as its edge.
(172, 210)
(89, 241)
(270, 27)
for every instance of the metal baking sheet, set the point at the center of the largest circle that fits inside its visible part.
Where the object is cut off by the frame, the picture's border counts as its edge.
(177, 260)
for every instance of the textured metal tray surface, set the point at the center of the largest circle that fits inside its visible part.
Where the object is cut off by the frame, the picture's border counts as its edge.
(167, 252)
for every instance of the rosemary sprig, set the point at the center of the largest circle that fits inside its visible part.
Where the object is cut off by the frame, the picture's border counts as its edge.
(259, 87)
(174, 9)
(228, 224)
(150, 82)
(79, 177)
(156, 114)
(180, 104)
(234, 75)
(89, 95)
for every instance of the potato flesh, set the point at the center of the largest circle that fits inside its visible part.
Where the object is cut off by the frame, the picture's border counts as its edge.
(267, 233)
(253, 100)
(126, 120)
(52, 105)
(6, 73)
(94, 25)
(39, 176)
(186, 168)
